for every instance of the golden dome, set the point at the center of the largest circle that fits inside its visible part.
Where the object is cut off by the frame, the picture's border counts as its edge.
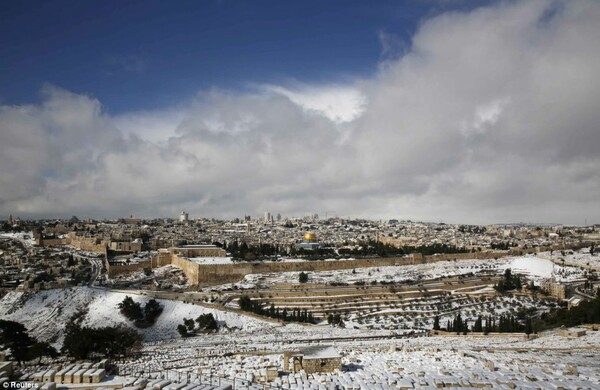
(310, 236)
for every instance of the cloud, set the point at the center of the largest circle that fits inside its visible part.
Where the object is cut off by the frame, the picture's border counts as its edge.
(490, 116)
(340, 104)
(392, 45)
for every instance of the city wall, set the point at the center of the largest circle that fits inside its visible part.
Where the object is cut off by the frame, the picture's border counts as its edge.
(117, 269)
(51, 242)
(214, 274)
(88, 244)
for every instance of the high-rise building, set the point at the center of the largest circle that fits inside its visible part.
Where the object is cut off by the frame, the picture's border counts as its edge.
(267, 216)
(183, 217)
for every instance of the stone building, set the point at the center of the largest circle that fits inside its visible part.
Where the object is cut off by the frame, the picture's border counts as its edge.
(191, 251)
(126, 246)
(573, 332)
(556, 290)
(314, 359)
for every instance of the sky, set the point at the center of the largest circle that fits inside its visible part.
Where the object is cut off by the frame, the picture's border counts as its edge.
(455, 111)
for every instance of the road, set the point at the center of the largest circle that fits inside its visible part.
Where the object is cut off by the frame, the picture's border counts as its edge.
(96, 265)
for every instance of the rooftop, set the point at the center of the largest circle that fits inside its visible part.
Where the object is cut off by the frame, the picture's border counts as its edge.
(210, 260)
(320, 352)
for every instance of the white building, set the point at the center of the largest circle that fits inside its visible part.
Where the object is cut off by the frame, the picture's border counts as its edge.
(183, 217)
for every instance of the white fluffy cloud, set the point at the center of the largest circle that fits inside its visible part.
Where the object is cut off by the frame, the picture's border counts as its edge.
(490, 116)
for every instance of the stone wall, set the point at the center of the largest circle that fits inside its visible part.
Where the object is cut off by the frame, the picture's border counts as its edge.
(207, 274)
(200, 251)
(51, 242)
(163, 258)
(87, 243)
(311, 366)
(213, 274)
(117, 269)
(128, 246)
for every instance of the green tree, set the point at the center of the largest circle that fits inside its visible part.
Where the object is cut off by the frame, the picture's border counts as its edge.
(112, 341)
(207, 322)
(14, 337)
(189, 324)
(330, 318)
(130, 309)
(182, 329)
(528, 326)
(303, 277)
(245, 303)
(40, 349)
(152, 310)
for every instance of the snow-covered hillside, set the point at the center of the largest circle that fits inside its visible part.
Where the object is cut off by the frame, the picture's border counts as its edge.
(46, 313)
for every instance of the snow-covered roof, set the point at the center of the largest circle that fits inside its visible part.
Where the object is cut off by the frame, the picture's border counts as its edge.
(210, 260)
(319, 352)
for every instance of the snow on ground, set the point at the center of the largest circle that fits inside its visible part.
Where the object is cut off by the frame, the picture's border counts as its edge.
(423, 362)
(536, 267)
(168, 276)
(396, 274)
(210, 260)
(580, 257)
(26, 238)
(532, 266)
(46, 313)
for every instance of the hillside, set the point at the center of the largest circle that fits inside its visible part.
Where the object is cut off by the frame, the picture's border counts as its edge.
(45, 313)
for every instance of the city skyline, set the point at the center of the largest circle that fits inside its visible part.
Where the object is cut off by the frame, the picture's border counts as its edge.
(440, 111)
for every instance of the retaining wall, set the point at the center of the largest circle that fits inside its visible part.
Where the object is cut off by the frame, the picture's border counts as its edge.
(214, 274)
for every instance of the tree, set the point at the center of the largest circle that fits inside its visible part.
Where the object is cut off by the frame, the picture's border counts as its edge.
(528, 326)
(14, 337)
(130, 309)
(436, 323)
(142, 318)
(336, 320)
(458, 324)
(40, 349)
(330, 319)
(116, 341)
(152, 310)
(245, 303)
(303, 277)
(182, 329)
(189, 323)
(510, 282)
(207, 322)
(111, 341)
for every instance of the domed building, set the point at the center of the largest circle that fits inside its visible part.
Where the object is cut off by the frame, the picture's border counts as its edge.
(310, 237)
(309, 242)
